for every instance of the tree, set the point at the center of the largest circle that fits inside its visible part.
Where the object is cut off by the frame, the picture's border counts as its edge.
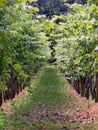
(24, 47)
(75, 50)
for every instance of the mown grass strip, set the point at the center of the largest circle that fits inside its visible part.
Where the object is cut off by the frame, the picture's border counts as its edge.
(42, 108)
(49, 88)
(48, 91)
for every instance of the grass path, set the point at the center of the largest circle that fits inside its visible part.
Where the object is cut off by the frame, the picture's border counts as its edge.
(50, 105)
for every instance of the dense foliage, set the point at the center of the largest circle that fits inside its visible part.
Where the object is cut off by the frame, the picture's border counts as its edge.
(28, 41)
(54, 7)
(50, 7)
(76, 51)
(24, 47)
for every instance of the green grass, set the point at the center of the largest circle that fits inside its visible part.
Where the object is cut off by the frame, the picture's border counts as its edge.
(3, 120)
(46, 94)
(49, 88)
